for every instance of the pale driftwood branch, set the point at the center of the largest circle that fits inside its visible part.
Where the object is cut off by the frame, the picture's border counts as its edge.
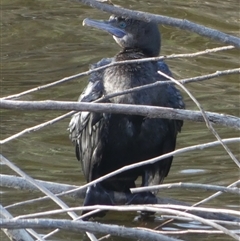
(148, 111)
(119, 198)
(80, 226)
(196, 231)
(104, 237)
(225, 223)
(10, 181)
(66, 79)
(210, 76)
(182, 81)
(207, 199)
(159, 158)
(42, 189)
(199, 78)
(37, 127)
(196, 54)
(204, 115)
(206, 145)
(158, 208)
(169, 209)
(63, 189)
(14, 234)
(187, 185)
(175, 22)
(215, 194)
(38, 185)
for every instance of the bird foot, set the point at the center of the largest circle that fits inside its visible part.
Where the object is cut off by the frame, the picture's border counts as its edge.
(143, 198)
(97, 195)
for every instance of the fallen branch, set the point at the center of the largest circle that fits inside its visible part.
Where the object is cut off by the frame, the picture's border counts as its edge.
(156, 159)
(148, 111)
(13, 234)
(80, 226)
(43, 189)
(175, 22)
(37, 127)
(117, 197)
(188, 80)
(186, 185)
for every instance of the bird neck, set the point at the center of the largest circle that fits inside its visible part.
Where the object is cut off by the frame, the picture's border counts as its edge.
(147, 53)
(130, 53)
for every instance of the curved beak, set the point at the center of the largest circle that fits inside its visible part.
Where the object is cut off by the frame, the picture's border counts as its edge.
(106, 26)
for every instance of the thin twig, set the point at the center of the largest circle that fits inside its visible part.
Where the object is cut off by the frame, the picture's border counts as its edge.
(36, 127)
(207, 121)
(119, 198)
(182, 81)
(215, 194)
(43, 189)
(186, 185)
(229, 223)
(13, 234)
(161, 208)
(201, 202)
(72, 77)
(153, 160)
(235, 123)
(197, 231)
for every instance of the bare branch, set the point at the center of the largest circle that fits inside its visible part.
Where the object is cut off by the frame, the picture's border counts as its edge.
(224, 222)
(66, 79)
(13, 234)
(175, 22)
(207, 121)
(158, 208)
(118, 198)
(79, 226)
(171, 209)
(203, 201)
(148, 111)
(37, 127)
(187, 185)
(197, 231)
(153, 160)
(43, 189)
(63, 189)
(215, 194)
(182, 81)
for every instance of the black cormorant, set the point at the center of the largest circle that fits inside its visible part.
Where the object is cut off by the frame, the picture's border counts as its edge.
(106, 142)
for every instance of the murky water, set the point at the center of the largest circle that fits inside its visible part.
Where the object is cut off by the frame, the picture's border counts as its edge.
(43, 41)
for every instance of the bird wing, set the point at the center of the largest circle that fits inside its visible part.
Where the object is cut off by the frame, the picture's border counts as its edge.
(87, 129)
(158, 171)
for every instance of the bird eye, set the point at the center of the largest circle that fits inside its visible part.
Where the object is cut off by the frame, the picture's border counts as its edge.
(122, 24)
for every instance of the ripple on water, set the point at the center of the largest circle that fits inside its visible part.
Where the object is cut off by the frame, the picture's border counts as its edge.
(192, 171)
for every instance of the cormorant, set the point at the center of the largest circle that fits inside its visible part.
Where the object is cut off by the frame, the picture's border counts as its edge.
(106, 142)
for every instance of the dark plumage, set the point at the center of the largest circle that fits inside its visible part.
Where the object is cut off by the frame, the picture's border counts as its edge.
(106, 142)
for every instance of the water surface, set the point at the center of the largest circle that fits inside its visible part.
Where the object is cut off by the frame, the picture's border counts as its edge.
(43, 41)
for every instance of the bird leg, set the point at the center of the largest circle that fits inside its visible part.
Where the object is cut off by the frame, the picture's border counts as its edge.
(97, 195)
